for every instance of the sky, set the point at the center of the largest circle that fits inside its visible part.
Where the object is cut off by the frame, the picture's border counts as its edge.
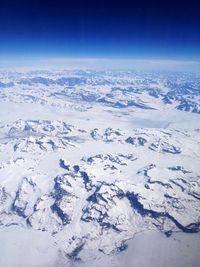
(128, 29)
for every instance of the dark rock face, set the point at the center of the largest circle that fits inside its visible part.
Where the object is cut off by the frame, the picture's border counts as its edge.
(136, 141)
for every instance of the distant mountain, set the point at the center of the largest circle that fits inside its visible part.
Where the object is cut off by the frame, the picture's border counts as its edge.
(117, 89)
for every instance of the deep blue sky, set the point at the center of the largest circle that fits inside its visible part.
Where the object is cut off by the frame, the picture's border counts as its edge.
(106, 28)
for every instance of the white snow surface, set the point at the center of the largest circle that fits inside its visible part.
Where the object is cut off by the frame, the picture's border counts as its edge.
(93, 163)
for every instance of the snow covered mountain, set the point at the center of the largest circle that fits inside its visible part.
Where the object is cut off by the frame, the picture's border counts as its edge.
(116, 89)
(94, 158)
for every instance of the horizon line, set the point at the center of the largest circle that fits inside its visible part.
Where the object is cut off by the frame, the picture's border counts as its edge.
(154, 63)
